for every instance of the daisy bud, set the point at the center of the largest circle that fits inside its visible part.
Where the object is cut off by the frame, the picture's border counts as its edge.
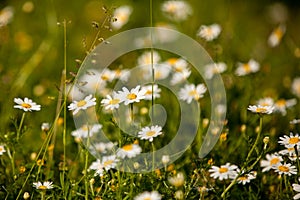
(165, 159)
(144, 110)
(266, 141)
(92, 181)
(45, 127)
(210, 161)
(136, 165)
(223, 137)
(33, 156)
(205, 122)
(257, 129)
(179, 194)
(26, 195)
(243, 128)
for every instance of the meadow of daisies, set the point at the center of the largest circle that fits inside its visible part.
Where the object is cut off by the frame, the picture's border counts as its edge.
(51, 149)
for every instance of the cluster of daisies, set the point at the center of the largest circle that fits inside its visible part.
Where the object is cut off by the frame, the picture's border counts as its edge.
(284, 162)
(268, 105)
(231, 172)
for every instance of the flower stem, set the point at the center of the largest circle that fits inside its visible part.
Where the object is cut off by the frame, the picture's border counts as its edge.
(20, 126)
(256, 140)
(12, 159)
(248, 156)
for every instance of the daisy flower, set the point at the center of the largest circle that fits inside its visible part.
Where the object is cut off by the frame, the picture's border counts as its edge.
(272, 161)
(90, 82)
(180, 65)
(161, 72)
(43, 186)
(177, 180)
(165, 159)
(296, 187)
(210, 32)
(2, 149)
(191, 92)
(148, 133)
(288, 151)
(151, 92)
(97, 167)
(296, 86)
(267, 101)
(123, 74)
(121, 15)
(111, 103)
(26, 104)
(134, 95)
(290, 141)
(154, 195)
(178, 77)
(6, 15)
(107, 75)
(261, 109)
(176, 10)
(276, 36)
(86, 131)
(164, 37)
(227, 171)
(295, 121)
(246, 68)
(246, 178)
(281, 105)
(214, 68)
(286, 168)
(102, 147)
(83, 104)
(145, 58)
(109, 162)
(129, 150)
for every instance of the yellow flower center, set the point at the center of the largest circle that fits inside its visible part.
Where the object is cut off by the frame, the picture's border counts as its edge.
(281, 102)
(118, 72)
(223, 170)
(105, 77)
(158, 74)
(261, 110)
(127, 147)
(194, 94)
(247, 67)
(147, 198)
(114, 101)
(26, 105)
(209, 32)
(178, 69)
(81, 103)
(108, 162)
(223, 136)
(172, 61)
(122, 17)
(85, 128)
(293, 140)
(274, 161)
(148, 92)
(150, 133)
(283, 168)
(291, 149)
(243, 178)
(131, 96)
(278, 33)
(42, 187)
(172, 8)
